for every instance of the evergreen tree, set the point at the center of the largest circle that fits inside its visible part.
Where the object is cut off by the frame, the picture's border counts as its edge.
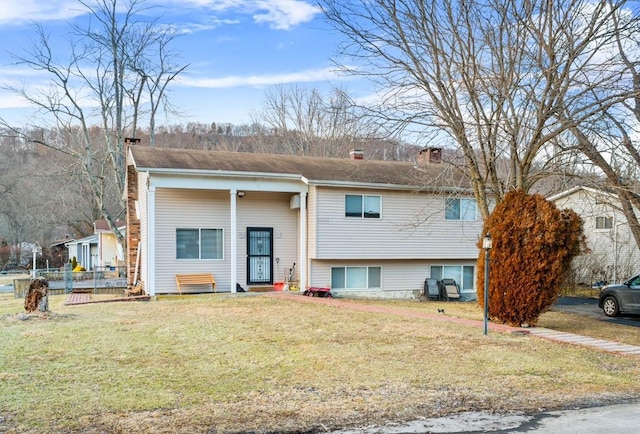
(533, 245)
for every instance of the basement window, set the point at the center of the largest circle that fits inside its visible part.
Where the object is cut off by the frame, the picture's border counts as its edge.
(356, 277)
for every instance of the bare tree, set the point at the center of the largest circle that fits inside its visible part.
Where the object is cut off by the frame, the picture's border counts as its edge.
(116, 75)
(491, 78)
(24, 212)
(607, 138)
(307, 122)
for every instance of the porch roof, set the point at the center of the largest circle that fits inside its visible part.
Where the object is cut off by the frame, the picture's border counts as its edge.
(91, 239)
(313, 169)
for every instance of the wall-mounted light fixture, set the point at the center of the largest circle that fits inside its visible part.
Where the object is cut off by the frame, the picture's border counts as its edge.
(241, 194)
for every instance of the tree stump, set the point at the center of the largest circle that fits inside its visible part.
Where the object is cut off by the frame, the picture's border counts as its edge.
(37, 296)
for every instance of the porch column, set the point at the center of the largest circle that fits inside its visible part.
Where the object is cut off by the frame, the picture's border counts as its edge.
(234, 242)
(150, 278)
(302, 267)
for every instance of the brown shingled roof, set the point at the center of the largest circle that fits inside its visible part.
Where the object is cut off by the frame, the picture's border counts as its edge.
(103, 225)
(399, 173)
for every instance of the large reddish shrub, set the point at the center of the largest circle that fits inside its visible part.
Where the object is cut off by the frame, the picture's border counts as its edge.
(533, 245)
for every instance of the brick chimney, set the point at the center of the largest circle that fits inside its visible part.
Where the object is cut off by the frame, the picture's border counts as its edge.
(131, 140)
(430, 155)
(356, 154)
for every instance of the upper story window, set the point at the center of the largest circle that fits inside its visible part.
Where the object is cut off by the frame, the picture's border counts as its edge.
(363, 206)
(604, 222)
(199, 244)
(460, 209)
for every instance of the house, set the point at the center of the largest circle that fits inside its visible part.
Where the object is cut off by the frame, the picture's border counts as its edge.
(85, 250)
(98, 251)
(361, 227)
(614, 254)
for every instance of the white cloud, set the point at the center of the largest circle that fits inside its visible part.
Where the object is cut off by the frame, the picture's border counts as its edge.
(217, 5)
(190, 28)
(18, 72)
(260, 80)
(278, 14)
(10, 100)
(285, 14)
(24, 11)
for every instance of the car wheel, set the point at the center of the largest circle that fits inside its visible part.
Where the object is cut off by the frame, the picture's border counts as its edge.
(610, 306)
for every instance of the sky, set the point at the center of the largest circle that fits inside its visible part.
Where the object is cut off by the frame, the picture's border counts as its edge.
(236, 50)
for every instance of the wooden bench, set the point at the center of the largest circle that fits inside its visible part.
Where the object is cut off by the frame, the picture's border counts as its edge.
(195, 279)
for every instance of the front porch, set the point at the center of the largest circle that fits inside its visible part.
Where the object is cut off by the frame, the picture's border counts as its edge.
(246, 232)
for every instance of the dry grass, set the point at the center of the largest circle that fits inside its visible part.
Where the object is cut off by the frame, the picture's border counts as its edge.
(580, 291)
(255, 363)
(566, 322)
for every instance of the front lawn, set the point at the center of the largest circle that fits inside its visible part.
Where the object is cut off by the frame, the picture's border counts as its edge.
(217, 363)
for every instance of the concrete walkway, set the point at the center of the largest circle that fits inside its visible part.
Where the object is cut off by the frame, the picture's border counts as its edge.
(540, 332)
(78, 298)
(570, 338)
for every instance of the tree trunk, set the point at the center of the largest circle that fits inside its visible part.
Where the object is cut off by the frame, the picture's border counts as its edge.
(36, 297)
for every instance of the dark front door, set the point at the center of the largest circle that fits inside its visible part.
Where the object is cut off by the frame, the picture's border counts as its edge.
(259, 256)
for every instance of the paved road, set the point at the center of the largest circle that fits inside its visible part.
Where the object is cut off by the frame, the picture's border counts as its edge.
(618, 419)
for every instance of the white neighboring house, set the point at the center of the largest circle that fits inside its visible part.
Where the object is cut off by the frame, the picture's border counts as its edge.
(361, 227)
(98, 251)
(85, 250)
(614, 254)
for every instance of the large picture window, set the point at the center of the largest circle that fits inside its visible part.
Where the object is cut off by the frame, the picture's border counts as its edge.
(363, 206)
(462, 274)
(460, 209)
(199, 243)
(356, 277)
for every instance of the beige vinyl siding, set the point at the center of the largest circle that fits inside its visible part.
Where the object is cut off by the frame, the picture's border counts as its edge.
(189, 209)
(268, 210)
(176, 208)
(412, 226)
(143, 206)
(400, 279)
(109, 254)
(312, 226)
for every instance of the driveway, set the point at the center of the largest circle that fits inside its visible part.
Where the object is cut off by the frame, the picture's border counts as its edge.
(589, 307)
(617, 418)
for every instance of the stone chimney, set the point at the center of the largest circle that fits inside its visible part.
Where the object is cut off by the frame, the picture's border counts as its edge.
(356, 154)
(430, 155)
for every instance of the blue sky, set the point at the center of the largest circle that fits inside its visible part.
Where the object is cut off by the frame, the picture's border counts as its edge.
(236, 50)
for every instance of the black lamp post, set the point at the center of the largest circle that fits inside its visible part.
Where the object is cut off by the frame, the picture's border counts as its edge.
(486, 245)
